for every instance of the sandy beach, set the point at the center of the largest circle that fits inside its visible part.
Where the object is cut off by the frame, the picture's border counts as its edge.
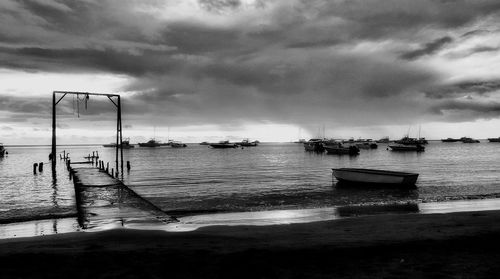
(453, 245)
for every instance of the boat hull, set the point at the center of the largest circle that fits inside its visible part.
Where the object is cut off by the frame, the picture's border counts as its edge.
(494, 139)
(222, 145)
(353, 176)
(148, 145)
(417, 148)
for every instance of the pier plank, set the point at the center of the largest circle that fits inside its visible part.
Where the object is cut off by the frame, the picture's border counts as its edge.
(105, 202)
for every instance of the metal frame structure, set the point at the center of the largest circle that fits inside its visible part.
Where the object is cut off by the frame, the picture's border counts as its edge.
(117, 103)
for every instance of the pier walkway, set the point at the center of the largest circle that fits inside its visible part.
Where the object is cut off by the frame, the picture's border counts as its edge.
(105, 202)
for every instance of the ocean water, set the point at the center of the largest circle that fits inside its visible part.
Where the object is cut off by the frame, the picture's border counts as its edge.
(272, 176)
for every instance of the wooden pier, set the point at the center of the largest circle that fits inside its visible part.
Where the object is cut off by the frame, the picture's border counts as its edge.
(105, 202)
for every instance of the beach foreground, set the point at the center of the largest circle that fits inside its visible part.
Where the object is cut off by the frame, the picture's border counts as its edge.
(454, 245)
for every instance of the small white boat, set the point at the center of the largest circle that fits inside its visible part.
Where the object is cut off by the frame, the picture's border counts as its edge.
(375, 177)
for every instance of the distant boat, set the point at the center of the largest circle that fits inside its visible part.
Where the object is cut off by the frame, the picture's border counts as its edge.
(402, 147)
(383, 140)
(125, 144)
(411, 141)
(450, 140)
(375, 177)
(315, 145)
(365, 144)
(338, 149)
(177, 144)
(2, 150)
(150, 143)
(469, 140)
(494, 139)
(246, 142)
(204, 143)
(223, 144)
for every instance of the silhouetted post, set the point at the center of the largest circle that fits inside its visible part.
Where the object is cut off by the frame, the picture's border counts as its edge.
(107, 167)
(68, 164)
(35, 165)
(53, 129)
(128, 165)
(112, 172)
(40, 167)
(64, 152)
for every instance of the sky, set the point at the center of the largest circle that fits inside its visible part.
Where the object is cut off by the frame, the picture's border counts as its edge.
(210, 70)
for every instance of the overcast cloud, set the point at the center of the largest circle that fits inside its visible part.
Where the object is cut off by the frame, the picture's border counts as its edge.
(230, 62)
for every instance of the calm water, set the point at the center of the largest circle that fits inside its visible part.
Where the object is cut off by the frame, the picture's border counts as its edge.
(271, 176)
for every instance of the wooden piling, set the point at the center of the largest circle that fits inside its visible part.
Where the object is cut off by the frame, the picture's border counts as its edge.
(40, 167)
(112, 172)
(128, 165)
(35, 165)
(107, 167)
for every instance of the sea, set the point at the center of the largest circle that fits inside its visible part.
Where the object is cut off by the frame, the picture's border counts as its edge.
(198, 180)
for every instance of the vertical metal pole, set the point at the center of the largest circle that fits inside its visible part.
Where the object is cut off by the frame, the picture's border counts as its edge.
(117, 136)
(54, 129)
(121, 139)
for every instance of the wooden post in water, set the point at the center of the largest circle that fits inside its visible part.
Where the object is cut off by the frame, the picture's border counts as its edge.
(40, 167)
(53, 129)
(35, 165)
(128, 165)
(112, 172)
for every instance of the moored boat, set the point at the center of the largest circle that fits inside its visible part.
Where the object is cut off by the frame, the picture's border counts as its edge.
(223, 144)
(411, 141)
(315, 145)
(177, 144)
(339, 149)
(375, 177)
(383, 140)
(494, 139)
(150, 143)
(125, 144)
(469, 140)
(450, 140)
(247, 142)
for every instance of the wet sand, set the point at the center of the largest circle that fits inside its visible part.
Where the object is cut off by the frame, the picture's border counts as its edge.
(452, 245)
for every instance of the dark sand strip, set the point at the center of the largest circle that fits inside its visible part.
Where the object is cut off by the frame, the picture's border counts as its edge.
(454, 245)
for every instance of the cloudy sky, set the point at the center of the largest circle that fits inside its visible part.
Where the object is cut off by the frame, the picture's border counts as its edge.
(263, 69)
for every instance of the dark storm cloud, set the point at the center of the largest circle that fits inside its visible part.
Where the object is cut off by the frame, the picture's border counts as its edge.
(283, 61)
(465, 109)
(219, 5)
(427, 49)
(463, 89)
